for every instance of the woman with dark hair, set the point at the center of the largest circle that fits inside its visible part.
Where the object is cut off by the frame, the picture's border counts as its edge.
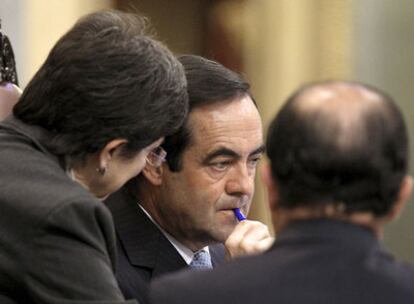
(97, 109)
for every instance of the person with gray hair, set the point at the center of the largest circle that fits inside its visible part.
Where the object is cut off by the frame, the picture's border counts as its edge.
(101, 103)
(338, 156)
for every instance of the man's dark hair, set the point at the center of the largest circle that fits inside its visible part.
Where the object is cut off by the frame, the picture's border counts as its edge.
(208, 82)
(352, 152)
(106, 79)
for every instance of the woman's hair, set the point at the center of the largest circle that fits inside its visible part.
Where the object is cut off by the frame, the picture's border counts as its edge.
(106, 79)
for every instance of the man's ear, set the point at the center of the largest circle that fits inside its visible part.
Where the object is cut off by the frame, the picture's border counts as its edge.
(403, 196)
(270, 183)
(110, 150)
(153, 174)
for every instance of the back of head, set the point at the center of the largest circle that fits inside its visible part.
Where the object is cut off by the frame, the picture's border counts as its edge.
(106, 79)
(208, 82)
(338, 143)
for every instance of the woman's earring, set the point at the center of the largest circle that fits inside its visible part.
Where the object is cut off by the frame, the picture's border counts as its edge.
(101, 170)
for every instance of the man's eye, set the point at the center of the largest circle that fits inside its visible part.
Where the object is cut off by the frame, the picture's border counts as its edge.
(253, 162)
(220, 166)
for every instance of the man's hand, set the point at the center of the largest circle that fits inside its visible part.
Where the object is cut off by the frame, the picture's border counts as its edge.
(248, 238)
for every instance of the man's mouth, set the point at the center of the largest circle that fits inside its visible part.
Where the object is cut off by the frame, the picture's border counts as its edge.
(240, 205)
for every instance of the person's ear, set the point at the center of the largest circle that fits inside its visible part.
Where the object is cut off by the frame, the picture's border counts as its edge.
(270, 183)
(111, 150)
(153, 174)
(402, 198)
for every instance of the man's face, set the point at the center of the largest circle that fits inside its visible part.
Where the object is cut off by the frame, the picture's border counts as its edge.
(217, 173)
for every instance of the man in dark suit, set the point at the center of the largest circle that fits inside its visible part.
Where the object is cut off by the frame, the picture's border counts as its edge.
(338, 172)
(177, 211)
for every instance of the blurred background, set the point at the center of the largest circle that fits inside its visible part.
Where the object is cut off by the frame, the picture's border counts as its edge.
(277, 45)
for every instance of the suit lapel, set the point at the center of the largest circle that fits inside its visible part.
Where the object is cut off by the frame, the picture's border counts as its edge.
(144, 244)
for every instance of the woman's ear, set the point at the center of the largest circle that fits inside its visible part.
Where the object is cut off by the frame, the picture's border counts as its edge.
(403, 196)
(110, 150)
(153, 174)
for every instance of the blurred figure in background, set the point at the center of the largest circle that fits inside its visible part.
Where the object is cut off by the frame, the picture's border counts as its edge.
(105, 97)
(9, 90)
(338, 173)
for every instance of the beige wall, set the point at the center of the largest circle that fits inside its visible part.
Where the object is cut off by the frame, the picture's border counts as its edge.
(179, 24)
(384, 48)
(288, 43)
(40, 23)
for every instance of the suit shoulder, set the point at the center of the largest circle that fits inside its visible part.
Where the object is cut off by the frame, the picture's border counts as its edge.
(34, 185)
(219, 283)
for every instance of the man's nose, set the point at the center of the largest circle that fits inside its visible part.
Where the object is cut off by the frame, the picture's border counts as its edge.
(240, 181)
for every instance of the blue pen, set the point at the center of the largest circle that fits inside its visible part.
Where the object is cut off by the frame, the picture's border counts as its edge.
(238, 214)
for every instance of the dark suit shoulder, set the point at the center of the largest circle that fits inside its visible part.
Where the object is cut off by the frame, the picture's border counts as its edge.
(51, 226)
(200, 286)
(143, 251)
(33, 177)
(302, 267)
